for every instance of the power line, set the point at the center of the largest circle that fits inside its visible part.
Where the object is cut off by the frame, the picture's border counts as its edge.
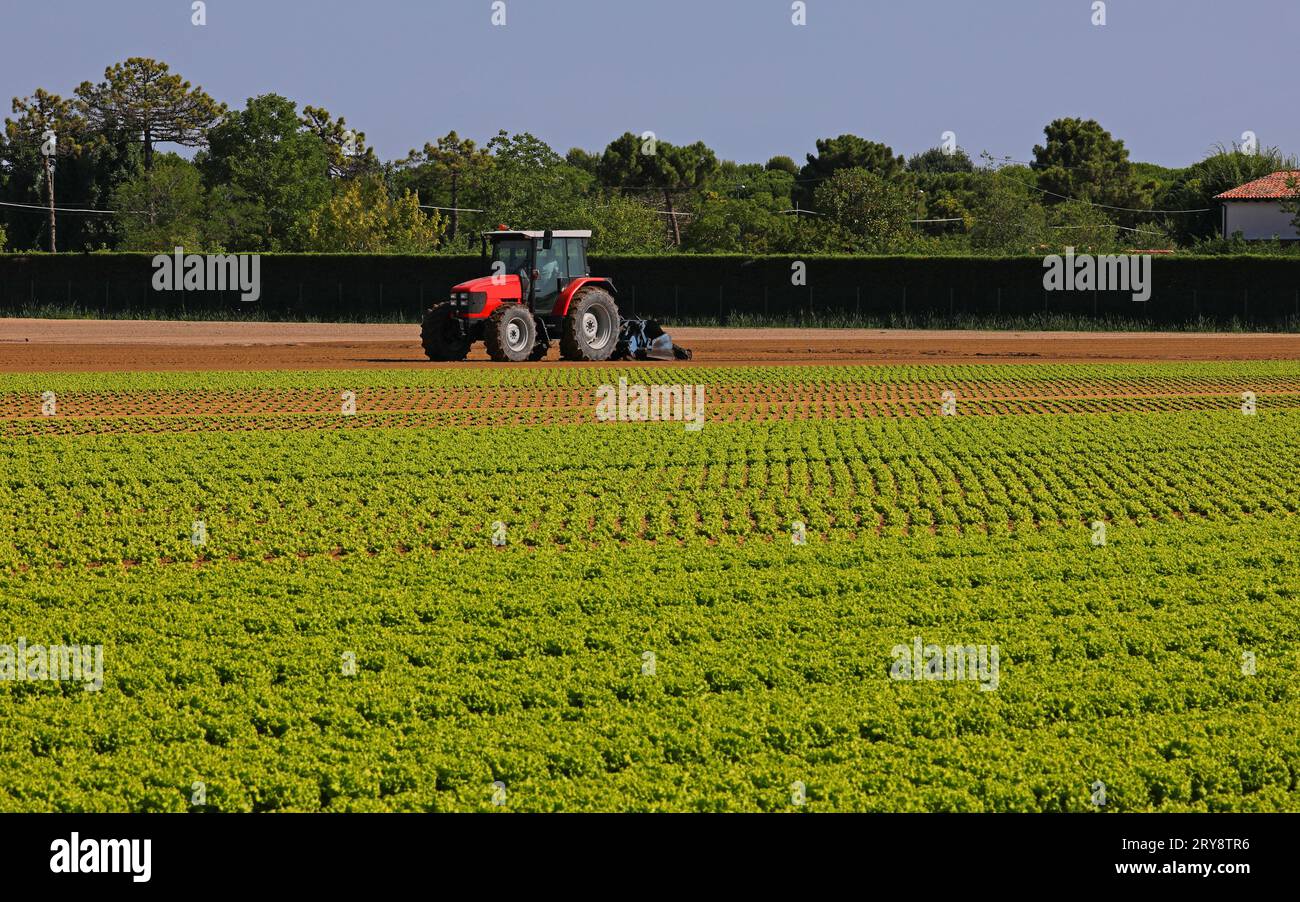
(796, 210)
(1111, 226)
(67, 209)
(799, 211)
(452, 209)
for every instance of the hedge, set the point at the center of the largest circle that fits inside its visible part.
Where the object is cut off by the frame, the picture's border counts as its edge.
(1254, 289)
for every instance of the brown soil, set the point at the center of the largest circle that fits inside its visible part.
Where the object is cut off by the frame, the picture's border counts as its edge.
(31, 345)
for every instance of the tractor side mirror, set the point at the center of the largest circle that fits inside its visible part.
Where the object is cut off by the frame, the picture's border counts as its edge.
(547, 237)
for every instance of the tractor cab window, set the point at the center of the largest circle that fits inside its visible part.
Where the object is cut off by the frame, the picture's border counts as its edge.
(577, 258)
(514, 254)
(550, 262)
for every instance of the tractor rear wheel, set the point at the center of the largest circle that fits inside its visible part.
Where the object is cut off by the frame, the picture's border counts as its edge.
(511, 334)
(441, 335)
(590, 330)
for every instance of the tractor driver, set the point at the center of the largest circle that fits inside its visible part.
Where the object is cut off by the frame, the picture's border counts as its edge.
(549, 264)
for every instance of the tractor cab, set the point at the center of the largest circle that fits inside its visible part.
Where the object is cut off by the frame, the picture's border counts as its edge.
(546, 263)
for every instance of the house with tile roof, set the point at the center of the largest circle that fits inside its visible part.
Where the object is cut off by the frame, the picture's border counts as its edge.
(1255, 208)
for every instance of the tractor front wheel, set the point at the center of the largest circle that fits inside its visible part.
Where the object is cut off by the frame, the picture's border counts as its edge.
(590, 330)
(511, 334)
(441, 335)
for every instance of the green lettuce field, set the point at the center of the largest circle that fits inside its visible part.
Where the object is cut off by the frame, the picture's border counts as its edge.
(471, 595)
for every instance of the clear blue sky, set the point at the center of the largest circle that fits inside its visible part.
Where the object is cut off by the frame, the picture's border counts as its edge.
(1169, 77)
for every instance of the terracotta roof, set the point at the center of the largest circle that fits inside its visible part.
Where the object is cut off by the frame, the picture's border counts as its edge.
(1270, 187)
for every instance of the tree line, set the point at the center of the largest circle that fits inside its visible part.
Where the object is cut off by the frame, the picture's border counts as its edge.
(100, 170)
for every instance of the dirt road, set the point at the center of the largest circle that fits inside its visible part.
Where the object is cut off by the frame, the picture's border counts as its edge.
(31, 345)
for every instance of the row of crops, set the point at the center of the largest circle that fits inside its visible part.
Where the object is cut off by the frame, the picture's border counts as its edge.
(774, 378)
(118, 498)
(1121, 664)
(614, 616)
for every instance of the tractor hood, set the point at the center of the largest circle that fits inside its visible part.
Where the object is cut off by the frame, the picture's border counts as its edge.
(479, 297)
(493, 286)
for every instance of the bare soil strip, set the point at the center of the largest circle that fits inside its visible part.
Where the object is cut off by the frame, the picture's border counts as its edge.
(33, 345)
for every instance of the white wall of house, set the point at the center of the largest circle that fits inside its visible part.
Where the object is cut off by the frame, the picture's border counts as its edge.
(1258, 219)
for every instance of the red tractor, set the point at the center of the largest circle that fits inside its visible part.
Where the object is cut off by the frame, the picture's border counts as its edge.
(540, 291)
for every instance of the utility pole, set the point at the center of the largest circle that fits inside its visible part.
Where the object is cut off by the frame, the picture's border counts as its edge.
(49, 192)
(672, 218)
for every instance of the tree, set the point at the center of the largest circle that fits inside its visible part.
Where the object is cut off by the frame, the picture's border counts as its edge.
(658, 166)
(529, 185)
(88, 177)
(735, 225)
(1156, 235)
(863, 212)
(584, 160)
(1008, 218)
(142, 98)
(48, 125)
(348, 154)
(622, 225)
(1081, 161)
(949, 206)
(782, 164)
(164, 208)
(684, 168)
(847, 152)
(442, 171)
(361, 218)
(266, 172)
(1082, 226)
(746, 217)
(951, 195)
(937, 160)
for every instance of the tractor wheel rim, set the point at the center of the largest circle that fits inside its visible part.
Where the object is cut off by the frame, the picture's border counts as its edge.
(596, 328)
(514, 336)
